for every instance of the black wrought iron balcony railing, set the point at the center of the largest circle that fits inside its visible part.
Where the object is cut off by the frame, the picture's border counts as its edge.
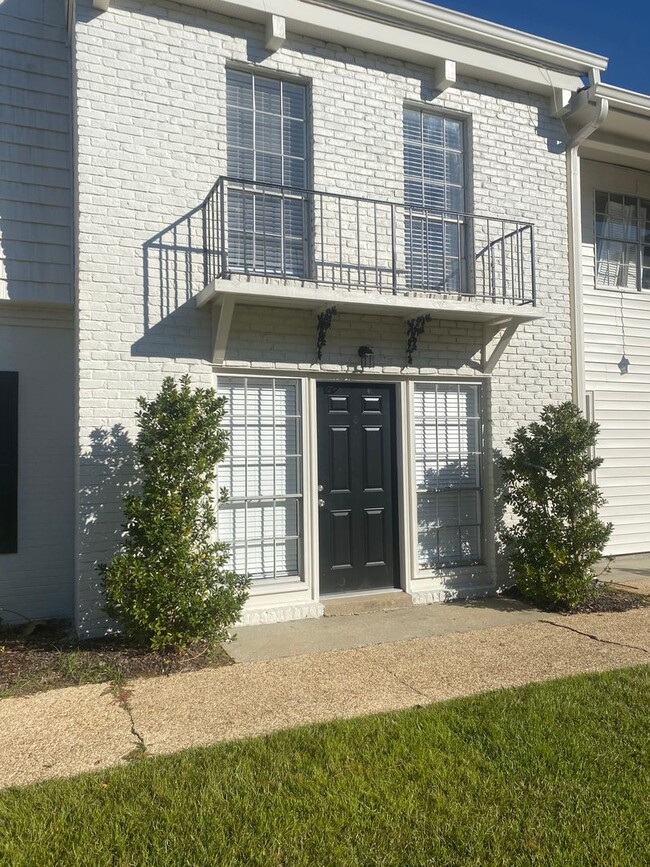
(275, 231)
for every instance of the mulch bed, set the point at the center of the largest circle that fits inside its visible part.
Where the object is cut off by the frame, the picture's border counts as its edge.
(606, 600)
(49, 656)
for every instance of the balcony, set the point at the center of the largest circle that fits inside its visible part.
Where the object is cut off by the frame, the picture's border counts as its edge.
(281, 246)
(270, 231)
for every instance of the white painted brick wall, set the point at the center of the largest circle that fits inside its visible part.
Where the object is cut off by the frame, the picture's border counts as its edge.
(152, 140)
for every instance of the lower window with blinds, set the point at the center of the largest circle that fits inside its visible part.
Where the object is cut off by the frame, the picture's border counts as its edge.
(448, 455)
(262, 521)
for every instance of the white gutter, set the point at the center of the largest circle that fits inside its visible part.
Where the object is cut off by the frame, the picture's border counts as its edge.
(467, 28)
(620, 99)
(577, 137)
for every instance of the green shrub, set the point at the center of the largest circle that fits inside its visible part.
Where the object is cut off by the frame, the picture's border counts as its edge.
(556, 536)
(169, 586)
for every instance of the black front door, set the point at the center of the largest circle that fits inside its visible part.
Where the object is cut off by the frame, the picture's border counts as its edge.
(357, 488)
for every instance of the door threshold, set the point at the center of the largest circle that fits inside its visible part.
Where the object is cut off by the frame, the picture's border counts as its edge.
(353, 594)
(365, 603)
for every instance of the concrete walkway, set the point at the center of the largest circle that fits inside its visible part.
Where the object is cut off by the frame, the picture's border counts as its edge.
(66, 731)
(273, 641)
(629, 572)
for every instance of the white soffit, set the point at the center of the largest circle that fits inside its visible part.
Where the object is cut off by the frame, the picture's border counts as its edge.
(415, 31)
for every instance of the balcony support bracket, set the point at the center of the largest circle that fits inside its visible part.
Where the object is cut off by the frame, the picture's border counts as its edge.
(507, 327)
(275, 33)
(221, 322)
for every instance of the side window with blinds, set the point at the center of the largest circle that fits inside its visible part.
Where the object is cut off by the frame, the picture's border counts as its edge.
(262, 520)
(448, 455)
(434, 194)
(268, 160)
(622, 241)
(8, 462)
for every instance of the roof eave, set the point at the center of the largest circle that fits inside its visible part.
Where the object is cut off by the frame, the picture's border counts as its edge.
(506, 40)
(421, 33)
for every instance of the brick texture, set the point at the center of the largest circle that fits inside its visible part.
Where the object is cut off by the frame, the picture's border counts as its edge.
(152, 140)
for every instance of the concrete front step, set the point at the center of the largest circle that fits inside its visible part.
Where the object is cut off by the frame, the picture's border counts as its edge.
(366, 603)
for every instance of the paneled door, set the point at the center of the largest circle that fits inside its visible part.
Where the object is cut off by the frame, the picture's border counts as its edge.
(357, 487)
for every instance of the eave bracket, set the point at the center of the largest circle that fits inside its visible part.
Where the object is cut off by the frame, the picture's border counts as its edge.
(444, 75)
(275, 33)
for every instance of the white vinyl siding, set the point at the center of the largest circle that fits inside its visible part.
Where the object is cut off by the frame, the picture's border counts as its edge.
(267, 144)
(262, 521)
(617, 322)
(35, 162)
(448, 474)
(434, 193)
(622, 241)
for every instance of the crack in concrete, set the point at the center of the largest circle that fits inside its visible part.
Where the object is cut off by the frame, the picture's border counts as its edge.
(595, 637)
(400, 680)
(122, 698)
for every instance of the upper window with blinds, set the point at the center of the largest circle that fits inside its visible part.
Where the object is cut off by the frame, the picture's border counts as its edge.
(434, 161)
(267, 129)
(434, 193)
(622, 241)
(268, 228)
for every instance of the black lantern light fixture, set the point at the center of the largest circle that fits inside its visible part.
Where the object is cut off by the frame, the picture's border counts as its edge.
(367, 357)
(624, 364)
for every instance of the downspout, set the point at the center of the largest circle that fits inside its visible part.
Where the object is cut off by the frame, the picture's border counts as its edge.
(71, 20)
(575, 250)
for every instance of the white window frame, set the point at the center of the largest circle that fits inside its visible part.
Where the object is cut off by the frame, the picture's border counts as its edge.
(261, 585)
(428, 217)
(253, 195)
(639, 244)
(420, 571)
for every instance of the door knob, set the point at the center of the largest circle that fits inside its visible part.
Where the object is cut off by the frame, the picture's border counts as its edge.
(321, 488)
(321, 503)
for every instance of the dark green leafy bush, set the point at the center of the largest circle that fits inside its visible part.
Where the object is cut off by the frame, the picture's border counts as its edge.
(169, 586)
(557, 535)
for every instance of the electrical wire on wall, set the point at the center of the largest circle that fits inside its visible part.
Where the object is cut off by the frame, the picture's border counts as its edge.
(624, 363)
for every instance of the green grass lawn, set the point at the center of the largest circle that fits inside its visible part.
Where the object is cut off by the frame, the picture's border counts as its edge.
(550, 774)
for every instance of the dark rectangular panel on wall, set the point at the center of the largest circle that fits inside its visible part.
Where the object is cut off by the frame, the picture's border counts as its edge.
(8, 462)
